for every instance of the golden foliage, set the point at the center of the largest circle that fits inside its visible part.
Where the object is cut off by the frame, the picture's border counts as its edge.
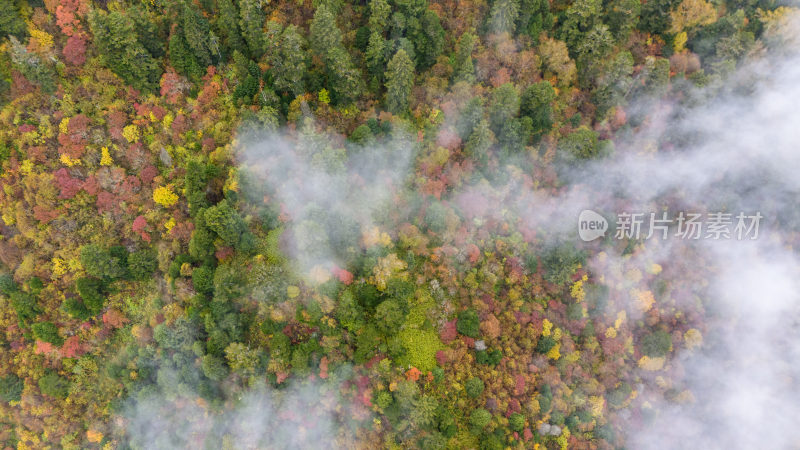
(131, 133)
(68, 161)
(651, 364)
(43, 40)
(387, 267)
(679, 44)
(105, 157)
(546, 327)
(576, 291)
(596, 403)
(693, 338)
(164, 196)
(555, 352)
(94, 436)
(644, 299)
(374, 236)
(692, 13)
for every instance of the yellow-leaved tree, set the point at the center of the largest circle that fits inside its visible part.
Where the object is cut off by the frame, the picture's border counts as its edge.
(692, 13)
(164, 196)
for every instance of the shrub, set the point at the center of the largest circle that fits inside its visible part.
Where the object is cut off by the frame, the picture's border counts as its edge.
(474, 387)
(214, 368)
(434, 441)
(581, 143)
(388, 317)
(545, 399)
(203, 280)
(436, 217)
(35, 285)
(561, 262)
(229, 282)
(25, 306)
(545, 344)
(53, 385)
(656, 344)
(383, 399)
(446, 422)
(174, 270)
(420, 348)
(479, 418)
(90, 290)
(101, 263)
(468, 323)
(47, 332)
(226, 222)
(491, 442)
(617, 397)
(11, 388)
(7, 284)
(517, 422)
(142, 263)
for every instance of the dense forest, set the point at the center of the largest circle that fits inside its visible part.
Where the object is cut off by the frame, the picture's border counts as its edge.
(307, 223)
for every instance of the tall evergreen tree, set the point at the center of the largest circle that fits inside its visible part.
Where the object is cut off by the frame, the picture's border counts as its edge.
(120, 50)
(289, 62)
(504, 106)
(592, 50)
(428, 39)
(580, 18)
(463, 68)
(379, 11)
(252, 24)
(181, 56)
(479, 143)
(197, 32)
(149, 29)
(535, 17)
(536, 104)
(227, 26)
(324, 34)
(376, 57)
(623, 16)
(503, 16)
(11, 23)
(399, 81)
(326, 42)
(345, 78)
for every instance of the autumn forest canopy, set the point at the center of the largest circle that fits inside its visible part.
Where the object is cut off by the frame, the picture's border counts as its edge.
(317, 223)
